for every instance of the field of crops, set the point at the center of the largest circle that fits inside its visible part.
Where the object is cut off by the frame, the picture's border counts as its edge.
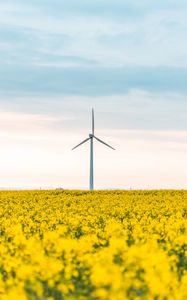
(102, 245)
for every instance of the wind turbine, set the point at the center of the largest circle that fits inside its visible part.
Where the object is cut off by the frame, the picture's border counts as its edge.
(91, 138)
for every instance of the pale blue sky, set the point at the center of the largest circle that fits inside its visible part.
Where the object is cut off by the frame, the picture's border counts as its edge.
(127, 59)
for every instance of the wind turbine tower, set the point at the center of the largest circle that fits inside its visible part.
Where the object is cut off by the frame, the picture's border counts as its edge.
(91, 139)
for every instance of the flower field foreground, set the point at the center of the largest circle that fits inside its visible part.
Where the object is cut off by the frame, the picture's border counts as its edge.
(68, 245)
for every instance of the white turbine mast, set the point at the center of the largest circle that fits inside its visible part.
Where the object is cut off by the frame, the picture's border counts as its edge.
(91, 138)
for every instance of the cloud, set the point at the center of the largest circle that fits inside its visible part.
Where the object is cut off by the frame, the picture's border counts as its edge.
(127, 59)
(92, 81)
(147, 34)
(136, 109)
(108, 8)
(92, 54)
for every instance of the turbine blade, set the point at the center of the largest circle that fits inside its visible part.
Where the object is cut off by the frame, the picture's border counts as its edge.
(93, 125)
(103, 143)
(81, 143)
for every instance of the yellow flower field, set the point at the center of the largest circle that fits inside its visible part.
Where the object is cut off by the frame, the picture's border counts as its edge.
(117, 245)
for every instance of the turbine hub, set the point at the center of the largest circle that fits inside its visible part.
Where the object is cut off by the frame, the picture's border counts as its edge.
(91, 135)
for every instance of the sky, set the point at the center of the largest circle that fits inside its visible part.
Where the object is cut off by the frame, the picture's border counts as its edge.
(126, 59)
